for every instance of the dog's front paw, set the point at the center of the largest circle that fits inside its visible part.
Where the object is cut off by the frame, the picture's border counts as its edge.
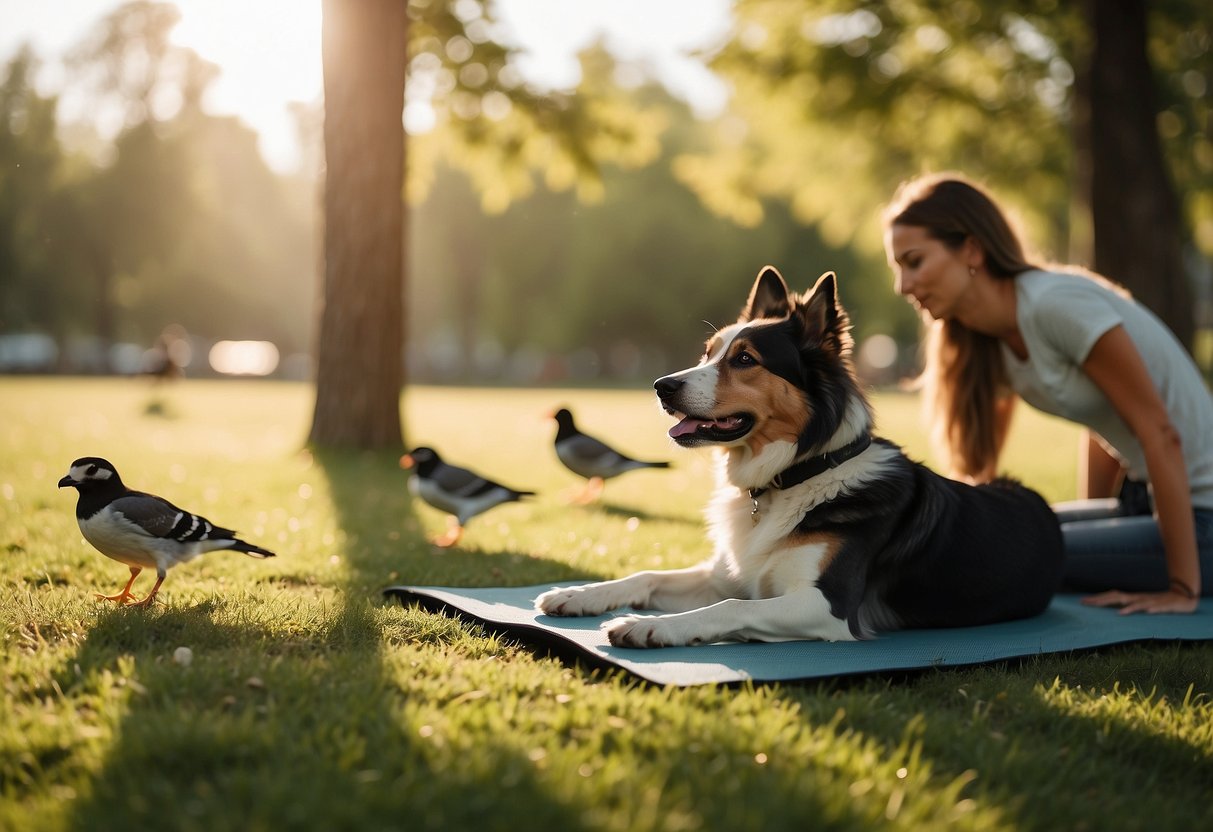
(640, 631)
(573, 600)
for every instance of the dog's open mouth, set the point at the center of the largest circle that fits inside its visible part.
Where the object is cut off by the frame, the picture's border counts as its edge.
(692, 430)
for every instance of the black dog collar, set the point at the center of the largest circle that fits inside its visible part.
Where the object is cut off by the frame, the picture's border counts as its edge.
(811, 467)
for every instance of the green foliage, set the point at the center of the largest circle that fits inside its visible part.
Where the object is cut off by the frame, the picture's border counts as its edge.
(1181, 48)
(639, 277)
(842, 101)
(553, 222)
(308, 703)
(225, 243)
(837, 102)
(199, 232)
(126, 60)
(31, 164)
(497, 129)
(181, 222)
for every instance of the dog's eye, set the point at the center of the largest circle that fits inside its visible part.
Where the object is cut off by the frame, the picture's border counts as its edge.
(744, 359)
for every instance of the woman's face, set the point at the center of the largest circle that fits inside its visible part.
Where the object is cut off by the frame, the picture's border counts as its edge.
(933, 277)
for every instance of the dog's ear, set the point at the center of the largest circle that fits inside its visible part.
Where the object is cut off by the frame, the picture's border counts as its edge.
(825, 322)
(768, 298)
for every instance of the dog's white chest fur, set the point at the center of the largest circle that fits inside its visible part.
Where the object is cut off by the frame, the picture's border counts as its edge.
(753, 550)
(754, 537)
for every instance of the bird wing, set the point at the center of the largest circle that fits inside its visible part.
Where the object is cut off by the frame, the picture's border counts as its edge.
(157, 517)
(461, 482)
(594, 450)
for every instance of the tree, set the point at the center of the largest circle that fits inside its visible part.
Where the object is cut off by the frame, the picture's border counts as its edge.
(176, 219)
(359, 363)
(620, 287)
(490, 124)
(31, 161)
(1134, 211)
(125, 211)
(843, 100)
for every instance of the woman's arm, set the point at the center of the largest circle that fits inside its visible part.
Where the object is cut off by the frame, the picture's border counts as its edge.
(1116, 367)
(1099, 472)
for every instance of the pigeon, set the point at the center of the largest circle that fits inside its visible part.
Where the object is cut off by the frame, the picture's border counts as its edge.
(590, 458)
(461, 493)
(141, 530)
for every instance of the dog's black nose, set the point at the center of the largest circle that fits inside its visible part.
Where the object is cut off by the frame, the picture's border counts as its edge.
(667, 386)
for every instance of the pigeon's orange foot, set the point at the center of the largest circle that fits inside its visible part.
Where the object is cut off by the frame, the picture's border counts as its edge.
(125, 595)
(453, 533)
(591, 492)
(151, 596)
(121, 598)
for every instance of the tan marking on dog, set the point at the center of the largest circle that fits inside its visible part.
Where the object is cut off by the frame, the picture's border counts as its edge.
(786, 413)
(784, 566)
(780, 409)
(833, 544)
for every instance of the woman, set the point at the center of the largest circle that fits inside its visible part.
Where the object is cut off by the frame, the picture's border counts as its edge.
(1074, 345)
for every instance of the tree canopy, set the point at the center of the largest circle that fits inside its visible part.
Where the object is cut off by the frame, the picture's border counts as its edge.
(837, 102)
(572, 233)
(177, 221)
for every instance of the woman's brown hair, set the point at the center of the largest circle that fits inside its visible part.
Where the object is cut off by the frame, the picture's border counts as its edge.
(964, 381)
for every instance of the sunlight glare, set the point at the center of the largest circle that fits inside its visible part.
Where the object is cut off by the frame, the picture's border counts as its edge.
(269, 55)
(244, 358)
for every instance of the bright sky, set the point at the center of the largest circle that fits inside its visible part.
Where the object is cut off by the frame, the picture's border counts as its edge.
(269, 50)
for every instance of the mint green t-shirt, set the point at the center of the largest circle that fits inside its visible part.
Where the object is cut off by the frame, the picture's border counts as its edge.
(1061, 316)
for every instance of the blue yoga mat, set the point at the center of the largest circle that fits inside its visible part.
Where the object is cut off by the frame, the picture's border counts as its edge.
(1066, 625)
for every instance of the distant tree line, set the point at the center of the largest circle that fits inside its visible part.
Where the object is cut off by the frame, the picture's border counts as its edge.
(628, 284)
(555, 272)
(597, 232)
(177, 220)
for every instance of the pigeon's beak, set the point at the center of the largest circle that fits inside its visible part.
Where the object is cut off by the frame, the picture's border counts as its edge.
(406, 461)
(67, 481)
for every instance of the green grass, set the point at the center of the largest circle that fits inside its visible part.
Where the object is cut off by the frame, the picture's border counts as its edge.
(310, 704)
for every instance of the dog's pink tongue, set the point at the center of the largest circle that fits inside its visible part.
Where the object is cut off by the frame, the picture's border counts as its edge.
(687, 425)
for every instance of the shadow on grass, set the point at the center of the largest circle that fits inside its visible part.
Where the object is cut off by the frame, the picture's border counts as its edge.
(387, 542)
(628, 512)
(434, 566)
(1040, 740)
(290, 713)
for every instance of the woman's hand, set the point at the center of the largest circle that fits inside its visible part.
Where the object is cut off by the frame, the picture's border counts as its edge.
(1117, 368)
(1149, 602)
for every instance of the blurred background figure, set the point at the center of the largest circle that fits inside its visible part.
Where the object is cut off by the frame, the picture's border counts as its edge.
(165, 362)
(168, 357)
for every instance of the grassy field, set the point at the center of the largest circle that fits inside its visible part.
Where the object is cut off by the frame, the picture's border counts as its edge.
(310, 704)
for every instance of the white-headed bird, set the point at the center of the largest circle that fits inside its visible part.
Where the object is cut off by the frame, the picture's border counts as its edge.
(141, 530)
(461, 493)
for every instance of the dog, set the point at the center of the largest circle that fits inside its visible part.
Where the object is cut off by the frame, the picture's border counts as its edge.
(821, 529)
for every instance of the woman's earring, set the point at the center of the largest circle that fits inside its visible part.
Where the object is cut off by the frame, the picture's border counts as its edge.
(972, 271)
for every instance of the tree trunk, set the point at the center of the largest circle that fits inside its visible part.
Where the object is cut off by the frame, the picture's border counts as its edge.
(1081, 244)
(1135, 212)
(360, 360)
